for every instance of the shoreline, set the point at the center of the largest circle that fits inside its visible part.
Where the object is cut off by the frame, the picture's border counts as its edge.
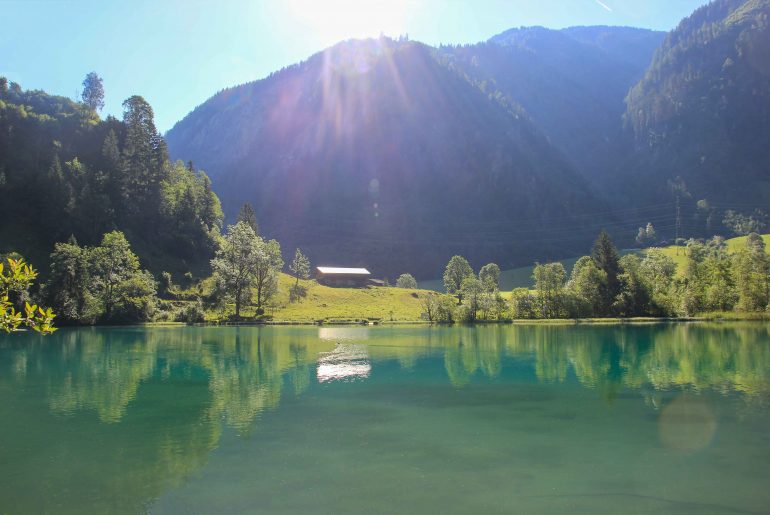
(368, 323)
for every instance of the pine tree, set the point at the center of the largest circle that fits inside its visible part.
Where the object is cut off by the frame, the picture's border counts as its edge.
(246, 214)
(606, 257)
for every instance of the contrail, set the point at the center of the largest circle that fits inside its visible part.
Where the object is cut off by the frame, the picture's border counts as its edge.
(605, 6)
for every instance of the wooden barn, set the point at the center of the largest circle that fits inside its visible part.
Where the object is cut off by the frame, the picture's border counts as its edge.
(342, 277)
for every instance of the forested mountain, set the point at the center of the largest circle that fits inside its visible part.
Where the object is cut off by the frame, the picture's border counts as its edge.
(571, 82)
(65, 172)
(702, 109)
(501, 149)
(377, 153)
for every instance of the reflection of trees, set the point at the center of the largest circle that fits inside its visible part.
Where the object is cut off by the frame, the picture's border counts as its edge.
(99, 374)
(721, 357)
(171, 390)
(469, 350)
(724, 357)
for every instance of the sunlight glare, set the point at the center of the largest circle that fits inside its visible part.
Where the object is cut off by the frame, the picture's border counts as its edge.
(331, 21)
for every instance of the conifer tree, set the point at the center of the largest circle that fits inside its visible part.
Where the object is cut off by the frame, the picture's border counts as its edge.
(606, 257)
(246, 214)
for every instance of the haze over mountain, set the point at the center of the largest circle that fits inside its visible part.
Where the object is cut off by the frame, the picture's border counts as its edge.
(396, 155)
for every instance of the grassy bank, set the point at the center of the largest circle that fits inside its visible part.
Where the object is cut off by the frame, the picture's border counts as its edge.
(335, 305)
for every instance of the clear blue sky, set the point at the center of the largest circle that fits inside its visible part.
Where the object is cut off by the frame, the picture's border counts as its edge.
(178, 53)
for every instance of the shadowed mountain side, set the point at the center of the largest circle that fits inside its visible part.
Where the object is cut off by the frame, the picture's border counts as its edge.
(572, 83)
(702, 109)
(375, 153)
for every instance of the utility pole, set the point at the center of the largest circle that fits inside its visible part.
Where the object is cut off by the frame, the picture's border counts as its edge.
(679, 189)
(678, 224)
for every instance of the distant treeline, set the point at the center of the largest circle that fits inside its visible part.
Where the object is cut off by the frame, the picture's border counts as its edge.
(605, 284)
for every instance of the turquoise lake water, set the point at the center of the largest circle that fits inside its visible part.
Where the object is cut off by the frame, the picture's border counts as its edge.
(661, 418)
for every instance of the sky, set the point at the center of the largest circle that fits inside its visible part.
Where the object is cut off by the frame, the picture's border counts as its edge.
(178, 53)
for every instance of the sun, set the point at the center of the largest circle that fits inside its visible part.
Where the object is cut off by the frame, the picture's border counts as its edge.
(330, 21)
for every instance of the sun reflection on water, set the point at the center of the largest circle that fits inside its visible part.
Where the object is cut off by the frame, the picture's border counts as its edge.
(347, 362)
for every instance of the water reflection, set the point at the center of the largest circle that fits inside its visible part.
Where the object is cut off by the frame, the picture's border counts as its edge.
(246, 368)
(144, 408)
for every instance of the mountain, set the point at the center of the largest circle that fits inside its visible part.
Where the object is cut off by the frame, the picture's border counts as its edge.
(396, 155)
(376, 153)
(702, 109)
(571, 82)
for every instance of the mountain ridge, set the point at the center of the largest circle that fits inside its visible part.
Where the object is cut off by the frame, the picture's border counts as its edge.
(492, 145)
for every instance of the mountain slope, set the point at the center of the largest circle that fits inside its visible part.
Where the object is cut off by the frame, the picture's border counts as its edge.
(572, 82)
(702, 109)
(375, 153)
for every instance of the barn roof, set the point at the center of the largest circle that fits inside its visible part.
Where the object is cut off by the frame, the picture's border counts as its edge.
(339, 270)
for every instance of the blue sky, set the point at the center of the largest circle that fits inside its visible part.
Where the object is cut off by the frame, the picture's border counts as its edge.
(178, 53)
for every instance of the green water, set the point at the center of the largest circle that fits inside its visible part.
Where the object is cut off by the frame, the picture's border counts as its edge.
(668, 418)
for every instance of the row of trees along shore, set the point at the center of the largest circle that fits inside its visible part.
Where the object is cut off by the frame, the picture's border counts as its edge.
(606, 284)
(106, 284)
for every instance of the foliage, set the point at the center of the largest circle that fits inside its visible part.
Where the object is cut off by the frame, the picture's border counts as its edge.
(69, 283)
(406, 281)
(472, 290)
(300, 267)
(93, 92)
(192, 313)
(549, 285)
(490, 276)
(634, 296)
(605, 255)
(657, 270)
(752, 275)
(457, 270)
(646, 236)
(438, 308)
(586, 287)
(236, 263)
(743, 225)
(247, 214)
(243, 262)
(18, 276)
(64, 171)
(100, 284)
(523, 304)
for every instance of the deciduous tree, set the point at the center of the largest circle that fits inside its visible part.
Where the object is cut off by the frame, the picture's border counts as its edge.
(490, 277)
(93, 92)
(406, 281)
(455, 273)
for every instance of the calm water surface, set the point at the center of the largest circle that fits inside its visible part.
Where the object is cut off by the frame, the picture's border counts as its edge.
(668, 418)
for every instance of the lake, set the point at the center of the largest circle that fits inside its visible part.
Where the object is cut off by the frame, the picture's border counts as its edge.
(660, 418)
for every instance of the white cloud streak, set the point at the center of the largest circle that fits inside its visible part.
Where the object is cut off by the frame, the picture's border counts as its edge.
(603, 5)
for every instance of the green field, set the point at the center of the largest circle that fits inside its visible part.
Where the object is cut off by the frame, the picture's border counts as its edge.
(322, 303)
(330, 304)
